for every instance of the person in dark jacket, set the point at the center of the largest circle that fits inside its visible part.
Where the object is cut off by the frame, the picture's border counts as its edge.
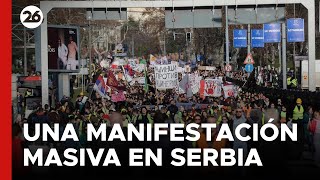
(173, 109)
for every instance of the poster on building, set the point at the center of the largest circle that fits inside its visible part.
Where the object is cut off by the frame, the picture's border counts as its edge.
(63, 48)
(166, 76)
(212, 87)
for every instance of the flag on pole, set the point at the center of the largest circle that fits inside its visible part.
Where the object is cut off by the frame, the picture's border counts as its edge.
(112, 80)
(101, 88)
(113, 83)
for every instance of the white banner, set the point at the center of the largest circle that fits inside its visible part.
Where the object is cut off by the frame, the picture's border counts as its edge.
(207, 68)
(140, 80)
(185, 86)
(195, 82)
(166, 76)
(229, 91)
(139, 67)
(212, 87)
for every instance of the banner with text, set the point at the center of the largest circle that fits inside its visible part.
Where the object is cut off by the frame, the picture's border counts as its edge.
(166, 76)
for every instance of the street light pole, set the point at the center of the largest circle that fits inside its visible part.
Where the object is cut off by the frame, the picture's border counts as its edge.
(227, 40)
(90, 53)
(25, 52)
(249, 39)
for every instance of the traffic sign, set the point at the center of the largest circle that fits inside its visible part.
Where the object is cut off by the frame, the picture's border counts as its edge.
(228, 68)
(249, 59)
(249, 68)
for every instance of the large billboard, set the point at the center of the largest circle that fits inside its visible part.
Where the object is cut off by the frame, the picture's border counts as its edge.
(63, 48)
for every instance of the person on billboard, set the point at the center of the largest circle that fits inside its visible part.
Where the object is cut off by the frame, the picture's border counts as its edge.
(72, 48)
(62, 55)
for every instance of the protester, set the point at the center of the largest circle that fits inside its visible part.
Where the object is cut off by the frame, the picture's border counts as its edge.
(314, 128)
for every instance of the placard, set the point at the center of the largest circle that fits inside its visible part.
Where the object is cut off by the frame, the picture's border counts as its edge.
(212, 87)
(166, 76)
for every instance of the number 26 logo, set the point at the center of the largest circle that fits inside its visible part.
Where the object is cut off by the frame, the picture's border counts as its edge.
(35, 17)
(31, 17)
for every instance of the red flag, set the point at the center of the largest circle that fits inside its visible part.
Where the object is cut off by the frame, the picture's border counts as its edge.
(112, 81)
(201, 90)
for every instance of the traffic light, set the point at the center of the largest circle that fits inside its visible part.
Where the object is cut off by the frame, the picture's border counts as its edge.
(174, 36)
(188, 37)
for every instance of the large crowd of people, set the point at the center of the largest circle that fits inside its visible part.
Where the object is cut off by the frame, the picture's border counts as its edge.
(168, 106)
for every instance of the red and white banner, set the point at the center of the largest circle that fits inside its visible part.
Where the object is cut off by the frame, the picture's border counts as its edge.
(212, 87)
(229, 91)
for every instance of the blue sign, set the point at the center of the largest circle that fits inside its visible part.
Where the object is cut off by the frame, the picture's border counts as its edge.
(257, 39)
(295, 30)
(239, 38)
(249, 68)
(272, 33)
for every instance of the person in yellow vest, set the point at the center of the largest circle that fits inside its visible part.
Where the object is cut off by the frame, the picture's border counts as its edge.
(28, 93)
(289, 82)
(144, 117)
(127, 118)
(134, 116)
(283, 115)
(294, 83)
(298, 112)
(263, 119)
(210, 111)
(297, 117)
